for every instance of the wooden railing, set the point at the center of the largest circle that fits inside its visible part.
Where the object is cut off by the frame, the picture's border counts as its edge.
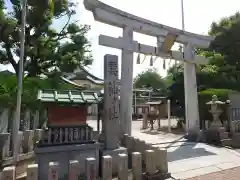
(67, 135)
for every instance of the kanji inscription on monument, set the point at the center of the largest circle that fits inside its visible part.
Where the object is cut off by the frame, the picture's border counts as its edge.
(111, 100)
(111, 90)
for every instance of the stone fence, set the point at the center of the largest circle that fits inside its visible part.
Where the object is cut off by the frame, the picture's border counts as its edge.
(27, 140)
(29, 133)
(90, 168)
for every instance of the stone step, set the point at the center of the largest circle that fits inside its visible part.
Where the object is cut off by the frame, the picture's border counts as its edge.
(226, 142)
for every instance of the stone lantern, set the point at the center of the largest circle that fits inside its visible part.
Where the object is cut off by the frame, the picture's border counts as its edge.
(216, 111)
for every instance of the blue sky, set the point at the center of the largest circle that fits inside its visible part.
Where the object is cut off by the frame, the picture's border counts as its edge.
(198, 17)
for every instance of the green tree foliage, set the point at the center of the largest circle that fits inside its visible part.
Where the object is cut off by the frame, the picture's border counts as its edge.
(8, 89)
(223, 70)
(47, 47)
(149, 79)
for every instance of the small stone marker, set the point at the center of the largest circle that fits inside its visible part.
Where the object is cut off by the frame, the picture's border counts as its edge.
(144, 121)
(74, 170)
(28, 136)
(6, 145)
(36, 120)
(38, 135)
(107, 167)
(161, 160)
(137, 165)
(27, 119)
(8, 173)
(32, 172)
(111, 101)
(53, 171)
(4, 121)
(91, 168)
(122, 167)
(20, 141)
(150, 162)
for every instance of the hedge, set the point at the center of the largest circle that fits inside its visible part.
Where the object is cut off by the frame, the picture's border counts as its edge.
(204, 97)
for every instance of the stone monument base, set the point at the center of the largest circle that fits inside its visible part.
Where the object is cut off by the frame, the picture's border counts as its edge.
(63, 154)
(195, 135)
(114, 154)
(213, 135)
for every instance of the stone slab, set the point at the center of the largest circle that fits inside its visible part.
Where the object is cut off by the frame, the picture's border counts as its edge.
(226, 165)
(195, 172)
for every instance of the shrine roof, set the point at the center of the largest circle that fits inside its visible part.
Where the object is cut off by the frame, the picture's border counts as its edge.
(68, 96)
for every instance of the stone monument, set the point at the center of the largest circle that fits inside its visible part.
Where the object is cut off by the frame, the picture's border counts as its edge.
(111, 110)
(166, 37)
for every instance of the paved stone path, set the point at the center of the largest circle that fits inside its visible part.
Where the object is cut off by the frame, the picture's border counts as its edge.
(229, 174)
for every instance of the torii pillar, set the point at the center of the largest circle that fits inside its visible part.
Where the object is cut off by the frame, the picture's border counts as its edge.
(190, 91)
(126, 88)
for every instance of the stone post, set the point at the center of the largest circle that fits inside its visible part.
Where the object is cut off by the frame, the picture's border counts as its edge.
(5, 138)
(150, 162)
(145, 121)
(28, 136)
(107, 168)
(74, 170)
(38, 134)
(122, 166)
(169, 115)
(53, 171)
(32, 172)
(27, 119)
(111, 101)
(137, 165)
(4, 135)
(126, 89)
(8, 173)
(36, 120)
(91, 168)
(20, 141)
(161, 160)
(4, 121)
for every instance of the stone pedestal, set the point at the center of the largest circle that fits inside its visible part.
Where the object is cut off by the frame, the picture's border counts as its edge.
(63, 155)
(114, 154)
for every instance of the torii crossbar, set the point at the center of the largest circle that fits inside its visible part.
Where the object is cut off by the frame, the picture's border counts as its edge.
(166, 37)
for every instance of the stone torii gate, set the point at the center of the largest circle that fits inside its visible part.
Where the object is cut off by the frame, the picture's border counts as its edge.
(166, 37)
